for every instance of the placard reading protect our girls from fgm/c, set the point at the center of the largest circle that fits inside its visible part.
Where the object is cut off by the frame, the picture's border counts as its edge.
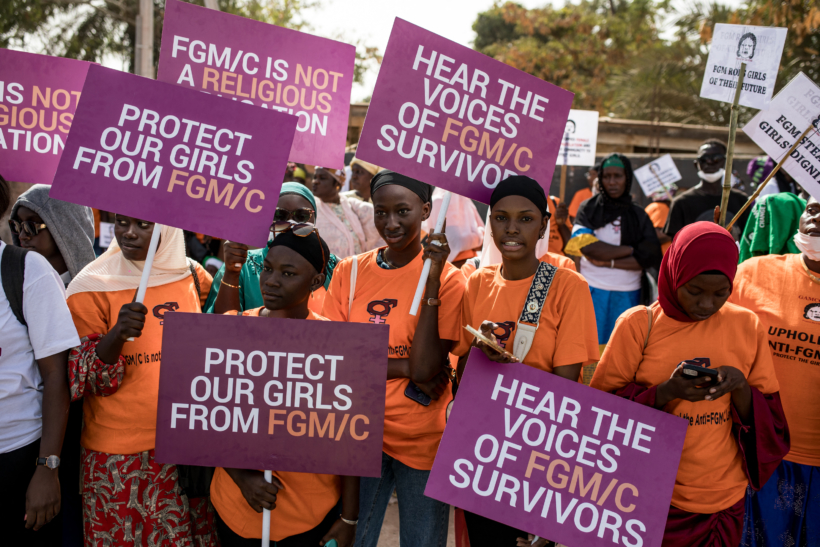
(167, 154)
(267, 66)
(457, 119)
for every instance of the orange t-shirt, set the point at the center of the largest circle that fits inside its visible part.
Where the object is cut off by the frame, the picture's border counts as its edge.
(556, 242)
(412, 432)
(126, 422)
(303, 503)
(710, 475)
(580, 196)
(780, 292)
(559, 261)
(96, 213)
(657, 212)
(566, 333)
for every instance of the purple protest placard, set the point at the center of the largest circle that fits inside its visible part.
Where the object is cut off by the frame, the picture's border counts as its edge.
(455, 118)
(266, 393)
(38, 98)
(556, 458)
(264, 65)
(170, 155)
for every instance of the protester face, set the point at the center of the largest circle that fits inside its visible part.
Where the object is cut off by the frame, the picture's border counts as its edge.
(516, 225)
(704, 295)
(287, 278)
(614, 181)
(42, 243)
(325, 187)
(810, 219)
(360, 181)
(295, 202)
(711, 158)
(397, 214)
(133, 236)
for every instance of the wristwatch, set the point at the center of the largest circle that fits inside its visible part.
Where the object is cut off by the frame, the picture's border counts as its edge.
(52, 462)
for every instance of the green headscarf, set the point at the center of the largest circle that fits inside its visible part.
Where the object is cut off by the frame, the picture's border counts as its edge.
(299, 190)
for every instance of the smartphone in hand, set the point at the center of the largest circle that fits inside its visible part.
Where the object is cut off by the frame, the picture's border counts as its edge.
(699, 368)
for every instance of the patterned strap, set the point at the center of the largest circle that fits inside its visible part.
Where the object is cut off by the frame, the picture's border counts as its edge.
(539, 289)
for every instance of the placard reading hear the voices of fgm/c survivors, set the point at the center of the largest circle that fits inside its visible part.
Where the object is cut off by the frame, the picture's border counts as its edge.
(556, 458)
(457, 119)
(268, 66)
(167, 154)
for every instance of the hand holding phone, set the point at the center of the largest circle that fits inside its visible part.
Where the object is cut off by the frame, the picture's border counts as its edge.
(699, 368)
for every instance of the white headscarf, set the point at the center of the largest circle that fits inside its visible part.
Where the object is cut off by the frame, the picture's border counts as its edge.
(491, 255)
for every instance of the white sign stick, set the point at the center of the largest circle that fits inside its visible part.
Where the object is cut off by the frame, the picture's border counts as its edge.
(425, 271)
(266, 517)
(149, 262)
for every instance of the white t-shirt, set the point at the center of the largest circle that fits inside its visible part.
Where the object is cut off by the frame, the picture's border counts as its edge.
(610, 279)
(50, 330)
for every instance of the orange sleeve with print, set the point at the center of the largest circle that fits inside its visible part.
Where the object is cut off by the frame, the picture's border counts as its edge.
(710, 475)
(658, 212)
(559, 261)
(580, 196)
(301, 505)
(556, 241)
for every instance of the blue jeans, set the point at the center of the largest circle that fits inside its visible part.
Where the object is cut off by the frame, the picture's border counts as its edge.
(423, 521)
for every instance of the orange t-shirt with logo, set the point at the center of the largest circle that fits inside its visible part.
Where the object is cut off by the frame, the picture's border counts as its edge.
(657, 212)
(784, 297)
(566, 332)
(556, 242)
(126, 422)
(580, 196)
(412, 432)
(559, 261)
(710, 475)
(301, 506)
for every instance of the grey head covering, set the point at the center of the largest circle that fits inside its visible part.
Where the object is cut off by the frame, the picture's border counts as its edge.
(71, 225)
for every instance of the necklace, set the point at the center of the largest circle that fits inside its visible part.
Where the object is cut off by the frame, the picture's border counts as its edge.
(809, 272)
(386, 261)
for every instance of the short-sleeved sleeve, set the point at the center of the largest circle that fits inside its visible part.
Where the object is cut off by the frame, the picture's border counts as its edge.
(465, 339)
(451, 296)
(576, 337)
(50, 326)
(623, 353)
(336, 303)
(762, 375)
(90, 312)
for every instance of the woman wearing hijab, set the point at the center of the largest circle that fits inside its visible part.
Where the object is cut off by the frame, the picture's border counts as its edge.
(116, 372)
(236, 285)
(305, 507)
(692, 321)
(494, 300)
(784, 292)
(378, 287)
(346, 224)
(616, 241)
(362, 173)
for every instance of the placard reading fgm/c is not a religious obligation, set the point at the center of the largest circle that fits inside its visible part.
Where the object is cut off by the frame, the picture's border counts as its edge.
(580, 138)
(795, 108)
(38, 97)
(268, 66)
(658, 175)
(268, 393)
(167, 154)
(556, 458)
(457, 119)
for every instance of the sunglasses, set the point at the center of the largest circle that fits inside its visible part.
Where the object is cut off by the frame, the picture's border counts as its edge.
(301, 229)
(711, 158)
(301, 216)
(30, 227)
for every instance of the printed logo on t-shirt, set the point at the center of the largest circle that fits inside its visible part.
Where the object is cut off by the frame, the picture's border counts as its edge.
(379, 309)
(812, 312)
(503, 331)
(162, 309)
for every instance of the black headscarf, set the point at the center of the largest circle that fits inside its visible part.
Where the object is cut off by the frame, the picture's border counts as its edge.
(312, 247)
(636, 228)
(383, 178)
(519, 185)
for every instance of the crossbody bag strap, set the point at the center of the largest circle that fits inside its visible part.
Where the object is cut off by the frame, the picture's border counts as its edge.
(531, 314)
(354, 270)
(13, 272)
(649, 314)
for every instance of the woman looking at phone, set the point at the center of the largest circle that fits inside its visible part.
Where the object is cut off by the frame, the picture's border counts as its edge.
(644, 362)
(496, 296)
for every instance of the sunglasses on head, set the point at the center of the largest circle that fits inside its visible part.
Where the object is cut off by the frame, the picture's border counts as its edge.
(303, 215)
(712, 158)
(30, 227)
(301, 229)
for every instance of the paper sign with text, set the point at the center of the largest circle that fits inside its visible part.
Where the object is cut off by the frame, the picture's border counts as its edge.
(38, 98)
(556, 458)
(658, 175)
(269, 393)
(759, 47)
(580, 138)
(166, 154)
(268, 66)
(794, 108)
(457, 119)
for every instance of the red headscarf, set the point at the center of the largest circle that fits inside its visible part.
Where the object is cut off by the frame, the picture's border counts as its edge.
(697, 248)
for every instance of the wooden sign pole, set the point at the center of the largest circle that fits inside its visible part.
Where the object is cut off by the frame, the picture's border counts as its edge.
(730, 148)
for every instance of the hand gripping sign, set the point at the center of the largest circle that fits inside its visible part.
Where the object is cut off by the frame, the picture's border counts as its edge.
(556, 458)
(455, 118)
(38, 97)
(170, 155)
(265, 393)
(267, 66)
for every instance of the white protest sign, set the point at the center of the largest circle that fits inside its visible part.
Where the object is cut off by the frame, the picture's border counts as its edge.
(580, 138)
(776, 130)
(656, 176)
(106, 234)
(759, 47)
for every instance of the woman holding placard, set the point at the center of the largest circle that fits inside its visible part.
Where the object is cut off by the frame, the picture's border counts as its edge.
(378, 288)
(507, 300)
(116, 371)
(694, 355)
(307, 509)
(616, 242)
